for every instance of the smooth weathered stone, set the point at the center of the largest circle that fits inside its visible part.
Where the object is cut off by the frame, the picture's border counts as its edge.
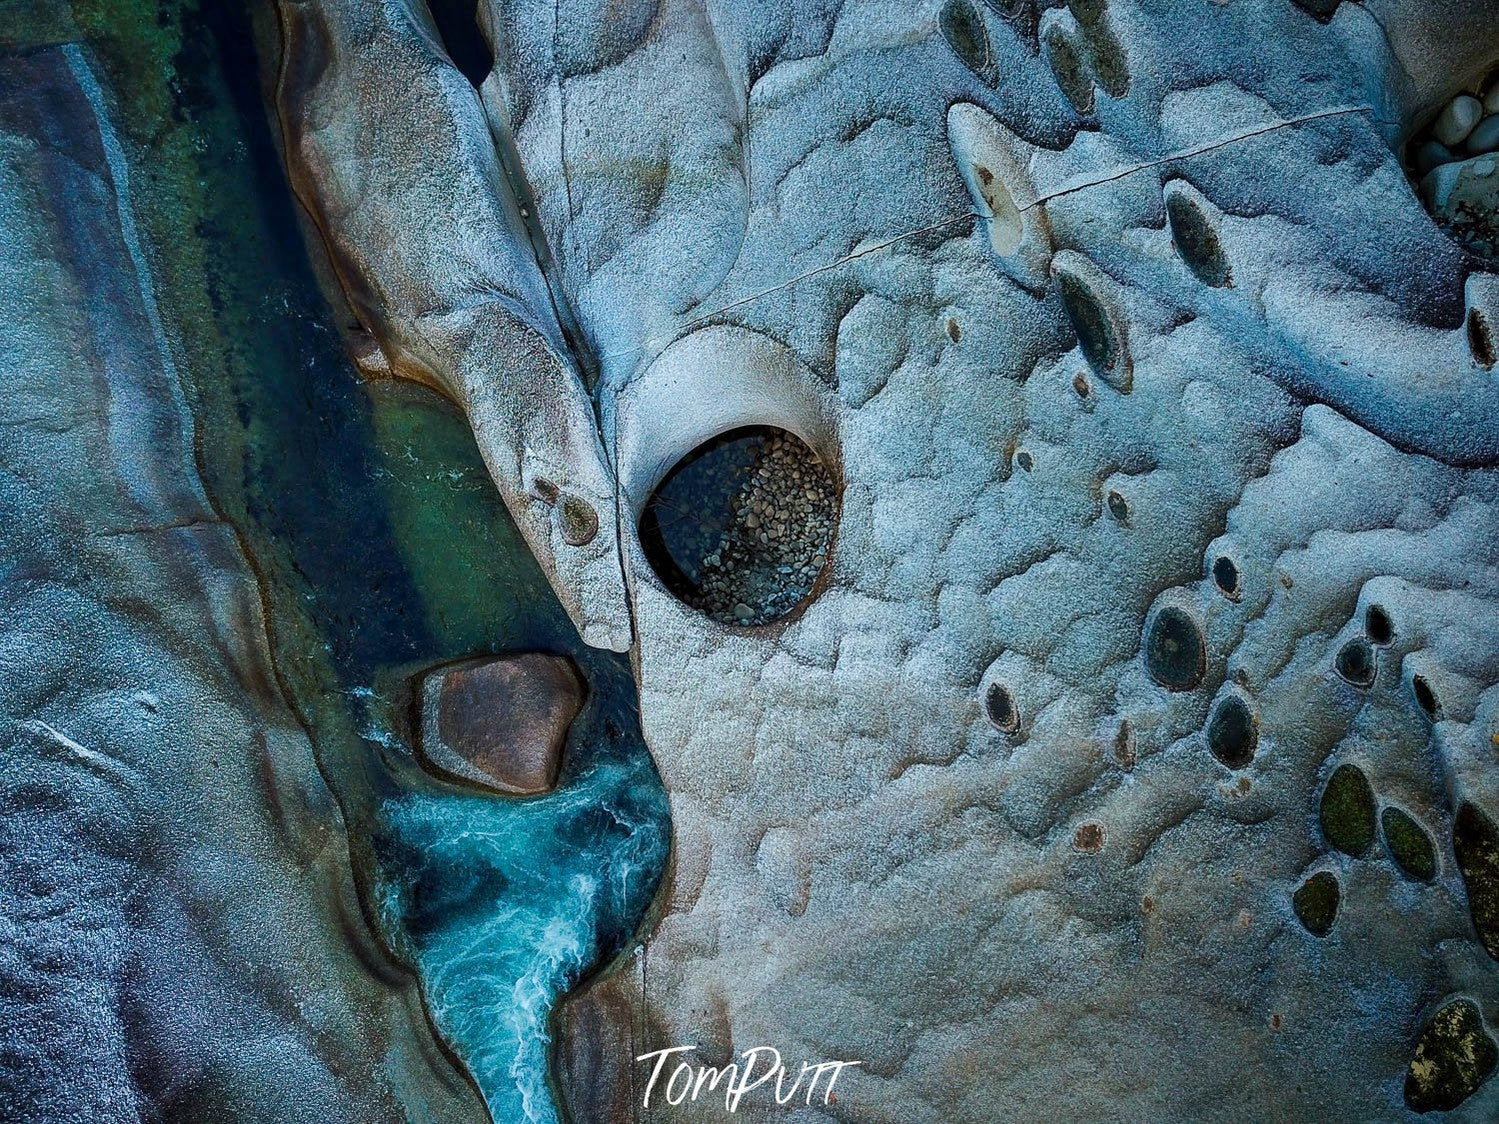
(1464, 190)
(1455, 122)
(501, 722)
(781, 237)
(1484, 137)
(181, 931)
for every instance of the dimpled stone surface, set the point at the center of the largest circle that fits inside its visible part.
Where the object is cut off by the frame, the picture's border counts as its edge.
(864, 865)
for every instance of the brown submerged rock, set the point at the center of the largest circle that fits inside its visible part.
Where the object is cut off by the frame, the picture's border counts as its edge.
(501, 722)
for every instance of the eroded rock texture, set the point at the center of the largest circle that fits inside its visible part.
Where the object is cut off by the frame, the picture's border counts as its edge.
(179, 934)
(1167, 491)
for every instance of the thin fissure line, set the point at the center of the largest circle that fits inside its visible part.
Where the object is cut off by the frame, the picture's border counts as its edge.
(1186, 154)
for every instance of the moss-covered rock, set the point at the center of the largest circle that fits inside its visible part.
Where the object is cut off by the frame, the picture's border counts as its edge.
(1475, 842)
(1409, 844)
(1316, 902)
(1347, 810)
(1454, 1056)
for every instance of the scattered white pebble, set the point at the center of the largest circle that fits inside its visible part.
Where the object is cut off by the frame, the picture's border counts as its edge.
(1454, 123)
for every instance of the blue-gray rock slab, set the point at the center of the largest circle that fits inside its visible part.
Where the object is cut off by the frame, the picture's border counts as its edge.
(177, 906)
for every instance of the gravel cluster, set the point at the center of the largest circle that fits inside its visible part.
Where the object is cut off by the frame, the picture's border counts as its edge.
(1455, 164)
(779, 531)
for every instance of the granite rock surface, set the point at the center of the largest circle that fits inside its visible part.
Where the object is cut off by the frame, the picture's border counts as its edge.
(1167, 453)
(180, 937)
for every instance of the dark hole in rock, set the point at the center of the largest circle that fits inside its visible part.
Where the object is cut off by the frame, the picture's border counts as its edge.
(1196, 239)
(1088, 838)
(1378, 626)
(579, 522)
(1347, 810)
(1000, 706)
(1409, 844)
(1475, 844)
(1426, 698)
(1480, 338)
(1321, 9)
(1226, 575)
(1080, 384)
(1090, 320)
(1174, 653)
(963, 28)
(1355, 662)
(1316, 902)
(1453, 1057)
(954, 330)
(1065, 57)
(1119, 508)
(743, 525)
(1025, 460)
(1233, 733)
(458, 27)
(1124, 745)
(544, 490)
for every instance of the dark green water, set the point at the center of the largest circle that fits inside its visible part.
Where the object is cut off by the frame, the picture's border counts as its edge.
(383, 549)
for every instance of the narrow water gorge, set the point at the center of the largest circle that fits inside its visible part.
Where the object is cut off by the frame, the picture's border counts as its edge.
(382, 551)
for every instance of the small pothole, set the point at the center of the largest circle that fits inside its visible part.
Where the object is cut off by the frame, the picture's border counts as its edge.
(743, 525)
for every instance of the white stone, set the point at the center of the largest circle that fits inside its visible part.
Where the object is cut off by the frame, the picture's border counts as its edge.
(1455, 122)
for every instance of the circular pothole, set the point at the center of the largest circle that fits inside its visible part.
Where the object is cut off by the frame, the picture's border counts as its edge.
(743, 525)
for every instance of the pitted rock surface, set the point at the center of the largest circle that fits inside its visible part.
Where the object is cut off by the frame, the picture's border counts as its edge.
(1213, 372)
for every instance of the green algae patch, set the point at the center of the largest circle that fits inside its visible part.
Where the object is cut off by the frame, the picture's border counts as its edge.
(1316, 902)
(1196, 239)
(1347, 810)
(964, 30)
(1454, 1056)
(1475, 842)
(468, 565)
(1409, 844)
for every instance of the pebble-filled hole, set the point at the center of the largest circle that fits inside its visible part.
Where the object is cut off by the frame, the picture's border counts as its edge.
(743, 525)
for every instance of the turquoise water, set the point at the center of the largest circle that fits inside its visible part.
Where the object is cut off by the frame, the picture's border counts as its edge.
(507, 906)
